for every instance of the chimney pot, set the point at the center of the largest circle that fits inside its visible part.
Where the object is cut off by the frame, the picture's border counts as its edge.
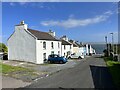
(22, 23)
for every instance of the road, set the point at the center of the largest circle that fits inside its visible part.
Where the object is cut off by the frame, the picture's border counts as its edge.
(89, 73)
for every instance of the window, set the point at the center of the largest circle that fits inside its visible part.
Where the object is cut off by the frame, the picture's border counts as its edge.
(44, 56)
(58, 52)
(52, 52)
(70, 46)
(64, 47)
(64, 54)
(52, 45)
(58, 45)
(44, 45)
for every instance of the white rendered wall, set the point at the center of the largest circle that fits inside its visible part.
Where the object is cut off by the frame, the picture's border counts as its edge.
(75, 49)
(22, 46)
(67, 49)
(81, 50)
(48, 50)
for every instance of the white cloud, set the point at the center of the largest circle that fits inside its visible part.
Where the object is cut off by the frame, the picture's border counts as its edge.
(71, 22)
(12, 4)
(33, 4)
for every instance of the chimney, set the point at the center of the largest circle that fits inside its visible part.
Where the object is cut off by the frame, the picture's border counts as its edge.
(64, 38)
(51, 33)
(21, 26)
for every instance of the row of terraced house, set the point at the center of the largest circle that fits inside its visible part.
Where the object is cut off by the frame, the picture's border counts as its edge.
(35, 46)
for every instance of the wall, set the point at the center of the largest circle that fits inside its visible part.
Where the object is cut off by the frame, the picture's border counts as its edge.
(41, 50)
(67, 49)
(75, 49)
(22, 46)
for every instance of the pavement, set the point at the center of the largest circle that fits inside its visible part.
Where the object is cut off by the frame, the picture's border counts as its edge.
(8, 82)
(89, 73)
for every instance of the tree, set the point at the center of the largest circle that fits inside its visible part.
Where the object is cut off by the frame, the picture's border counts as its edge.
(3, 48)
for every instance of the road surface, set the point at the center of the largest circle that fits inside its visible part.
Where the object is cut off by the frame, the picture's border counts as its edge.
(89, 73)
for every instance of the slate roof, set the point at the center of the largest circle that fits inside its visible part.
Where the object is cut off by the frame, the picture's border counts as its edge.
(65, 42)
(74, 44)
(42, 35)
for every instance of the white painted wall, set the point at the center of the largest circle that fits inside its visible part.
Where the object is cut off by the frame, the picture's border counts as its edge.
(81, 50)
(21, 45)
(48, 50)
(67, 49)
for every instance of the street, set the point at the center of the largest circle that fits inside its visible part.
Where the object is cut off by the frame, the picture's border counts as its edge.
(89, 73)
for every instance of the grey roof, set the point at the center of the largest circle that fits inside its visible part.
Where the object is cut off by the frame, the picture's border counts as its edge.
(42, 35)
(74, 44)
(66, 42)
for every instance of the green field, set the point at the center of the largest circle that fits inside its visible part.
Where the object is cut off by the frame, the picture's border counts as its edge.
(114, 68)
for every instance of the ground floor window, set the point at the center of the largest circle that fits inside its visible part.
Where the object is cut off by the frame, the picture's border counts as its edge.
(58, 52)
(44, 56)
(64, 54)
(52, 52)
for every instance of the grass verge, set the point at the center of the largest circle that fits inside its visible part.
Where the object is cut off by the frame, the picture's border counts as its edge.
(18, 72)
(114, 68)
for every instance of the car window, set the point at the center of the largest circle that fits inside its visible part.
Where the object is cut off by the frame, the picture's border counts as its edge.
(55, 56)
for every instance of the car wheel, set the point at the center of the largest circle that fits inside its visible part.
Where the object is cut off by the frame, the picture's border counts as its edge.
(49, 61)
(61, 62)
(79, 57)
(69, 57)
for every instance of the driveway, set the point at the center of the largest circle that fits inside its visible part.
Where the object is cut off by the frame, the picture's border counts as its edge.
(89, 73)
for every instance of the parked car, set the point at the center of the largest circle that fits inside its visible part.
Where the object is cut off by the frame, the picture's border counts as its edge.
(54, 58)
(76, 56)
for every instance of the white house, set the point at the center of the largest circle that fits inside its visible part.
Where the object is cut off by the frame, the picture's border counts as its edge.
(89, 49)
(75, 46)
(31, 45)
(67, 47)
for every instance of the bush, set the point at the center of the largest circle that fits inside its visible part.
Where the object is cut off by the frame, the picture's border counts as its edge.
(3, 48)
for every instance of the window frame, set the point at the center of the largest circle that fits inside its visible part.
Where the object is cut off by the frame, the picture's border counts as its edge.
(44, 45)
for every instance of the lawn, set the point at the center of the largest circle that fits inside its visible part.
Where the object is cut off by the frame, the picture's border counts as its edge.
(114, 68)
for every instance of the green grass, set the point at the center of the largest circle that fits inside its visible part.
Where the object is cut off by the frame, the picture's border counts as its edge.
(114, 68)
(7, 68)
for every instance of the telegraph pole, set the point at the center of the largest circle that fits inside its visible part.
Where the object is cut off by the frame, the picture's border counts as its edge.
(112, 44)
(106, 46)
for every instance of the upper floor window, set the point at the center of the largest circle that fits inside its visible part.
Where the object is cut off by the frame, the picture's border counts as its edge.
(64, 47)
(44, 45)
(52, 45)
(70, 47)
(58, 45)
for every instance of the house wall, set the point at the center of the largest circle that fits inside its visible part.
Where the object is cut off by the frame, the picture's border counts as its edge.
(75, 49)
(21, 45)
(81, 50)
(67, 49)
(40, 50)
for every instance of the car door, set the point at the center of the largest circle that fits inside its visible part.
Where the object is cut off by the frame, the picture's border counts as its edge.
(74, 55)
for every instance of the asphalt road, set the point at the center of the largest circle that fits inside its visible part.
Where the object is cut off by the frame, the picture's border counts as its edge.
(89, 73)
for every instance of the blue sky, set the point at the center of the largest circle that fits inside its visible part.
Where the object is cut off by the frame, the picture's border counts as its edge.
(81, 21)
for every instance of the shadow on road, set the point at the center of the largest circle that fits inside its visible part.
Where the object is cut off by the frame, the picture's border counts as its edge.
(101, 77)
